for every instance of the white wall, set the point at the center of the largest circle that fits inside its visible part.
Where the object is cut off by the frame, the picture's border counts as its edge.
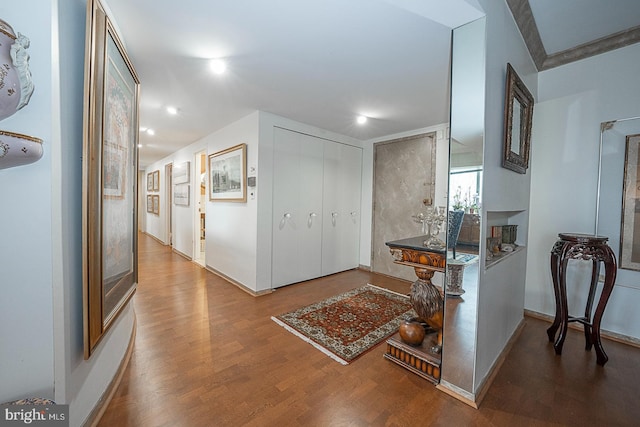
(501, 289)
(41, 309)
(573, 100)
(26, 258)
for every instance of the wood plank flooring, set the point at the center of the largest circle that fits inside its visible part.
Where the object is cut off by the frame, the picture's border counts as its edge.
(208, 354)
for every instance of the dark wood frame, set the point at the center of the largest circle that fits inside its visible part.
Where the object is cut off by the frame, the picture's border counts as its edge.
(516, 91)
(109, 221)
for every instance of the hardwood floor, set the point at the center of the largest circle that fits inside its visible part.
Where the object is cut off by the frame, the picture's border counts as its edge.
(208, 354)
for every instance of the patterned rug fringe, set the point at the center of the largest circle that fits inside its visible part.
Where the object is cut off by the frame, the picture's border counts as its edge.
(313, 343)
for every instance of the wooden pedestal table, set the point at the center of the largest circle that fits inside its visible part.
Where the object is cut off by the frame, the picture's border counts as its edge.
(589, 248)
(426, 298)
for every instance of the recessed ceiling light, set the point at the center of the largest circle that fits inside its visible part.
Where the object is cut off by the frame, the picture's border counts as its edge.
(172, 110)
(139, 145)
(361, 120)
(143, 129)
(218, 66)
(151, 132)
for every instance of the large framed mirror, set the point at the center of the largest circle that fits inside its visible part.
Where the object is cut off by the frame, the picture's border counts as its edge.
(518, 118)
(466, 165)
(110, 267)
(617, 214)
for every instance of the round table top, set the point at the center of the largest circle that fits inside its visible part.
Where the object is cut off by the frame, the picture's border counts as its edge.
(583, 238)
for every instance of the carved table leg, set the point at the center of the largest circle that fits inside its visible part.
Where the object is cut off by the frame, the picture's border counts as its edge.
(595, 273)
(564, 309)
(611, 268)
(555, 273)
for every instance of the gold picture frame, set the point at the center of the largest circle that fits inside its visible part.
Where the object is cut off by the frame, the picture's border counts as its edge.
(156, 204)
(518, 119)
(156, 180)
(109, 207)
(149, 203)
(228, 175)
(630, 223)
(150, 181)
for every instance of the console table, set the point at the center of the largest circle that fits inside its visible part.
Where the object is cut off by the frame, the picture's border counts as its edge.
(423, 360)
(590, 248)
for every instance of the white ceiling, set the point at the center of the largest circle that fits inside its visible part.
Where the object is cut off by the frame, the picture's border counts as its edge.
(319, 62)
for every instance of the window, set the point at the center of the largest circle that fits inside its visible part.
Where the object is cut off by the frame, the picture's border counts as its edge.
(464, 190)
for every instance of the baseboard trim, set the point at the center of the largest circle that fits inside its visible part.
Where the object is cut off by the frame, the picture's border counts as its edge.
(483, 388)
(182, 254)
(613, 336)
(101, 406)
(457, 393)
(154, 238)
(238, 284)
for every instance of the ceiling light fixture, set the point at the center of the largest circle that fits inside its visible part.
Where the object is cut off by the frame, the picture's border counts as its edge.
(143, 129)
(151, 132)
(361, 120)
(172, 110)
(218, 66)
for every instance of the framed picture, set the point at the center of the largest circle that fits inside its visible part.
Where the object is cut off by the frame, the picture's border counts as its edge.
(518, 118)
(630, 224)
(180, 172)
(114, 174)
(156, 180)
(149, 204)
(228, 175)
(150, 181)
(156, 204)
(181, 194)
(109, 208)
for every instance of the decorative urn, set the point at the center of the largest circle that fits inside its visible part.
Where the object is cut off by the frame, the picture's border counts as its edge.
(412, 331)
(16, 85)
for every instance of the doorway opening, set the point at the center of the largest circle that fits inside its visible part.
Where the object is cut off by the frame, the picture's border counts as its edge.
(169, 225)
(200, 197)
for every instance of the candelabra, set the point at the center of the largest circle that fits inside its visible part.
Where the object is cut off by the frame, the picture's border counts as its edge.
(432, 221)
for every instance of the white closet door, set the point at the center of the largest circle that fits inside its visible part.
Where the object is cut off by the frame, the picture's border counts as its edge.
(297, 207)
(341, 206)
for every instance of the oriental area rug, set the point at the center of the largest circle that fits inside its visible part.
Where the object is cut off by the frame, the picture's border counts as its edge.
(347, 325)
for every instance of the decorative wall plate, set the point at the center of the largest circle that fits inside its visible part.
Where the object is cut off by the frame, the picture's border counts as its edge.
(17, 149)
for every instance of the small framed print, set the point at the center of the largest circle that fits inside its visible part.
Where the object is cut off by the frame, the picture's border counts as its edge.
(228, 175)
(181, 194)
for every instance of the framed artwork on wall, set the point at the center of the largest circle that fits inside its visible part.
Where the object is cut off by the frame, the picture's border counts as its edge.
(109, 208)
(150, 181)
(149, 204)
(180, 172)
(156, 204)
(156, 180)
(228, 175)
(181, 194)
(630, 224)
(518, 118)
